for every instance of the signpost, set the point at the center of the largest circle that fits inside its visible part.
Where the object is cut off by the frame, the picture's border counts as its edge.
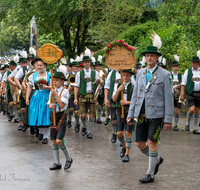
(50, 54)
(121, 57)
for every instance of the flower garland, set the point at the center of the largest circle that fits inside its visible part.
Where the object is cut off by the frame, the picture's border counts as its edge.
(41, 81)
(120, 43)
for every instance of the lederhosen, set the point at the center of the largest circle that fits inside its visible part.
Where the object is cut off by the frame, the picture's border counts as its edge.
(120, 125)
(86, 100)
(193, 97)
(2, 97)
(22, 100)
(61, 132)
(113, 81)
(148, 128)
(176, 104)
(71, 101)
(9, 96)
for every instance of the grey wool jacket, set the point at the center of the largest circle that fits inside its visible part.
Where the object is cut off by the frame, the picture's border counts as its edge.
(158, 96)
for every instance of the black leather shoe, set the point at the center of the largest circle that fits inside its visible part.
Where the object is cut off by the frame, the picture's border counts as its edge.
(8, 114)
(176, 128)
(37, 133)
(24, 128)
(187, 128)
(45, 141)
(98, 120)
(157, 166)
(4, 113)
(196, 132)
(69, 125)
(55, 167)
(16, 120)
(68, 164)
(114, 138)
(146, 179)
(32, 132)
(20, 128)
(89, 136)
(106, 121)
(77, 128)
(40, 137)
(123, 151)
(126, 158)
(103, 115)
(121, 144)
(10, 118)
(83, 133)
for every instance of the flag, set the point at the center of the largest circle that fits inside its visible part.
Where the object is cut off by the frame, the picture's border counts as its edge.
(33, 36)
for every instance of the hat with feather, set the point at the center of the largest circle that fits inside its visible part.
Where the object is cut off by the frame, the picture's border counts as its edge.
(61, 73)
(176, 61)
(87, 55)
(24, 57)
(196, 58)
(99, 61)
(32, 53)
(156, 45)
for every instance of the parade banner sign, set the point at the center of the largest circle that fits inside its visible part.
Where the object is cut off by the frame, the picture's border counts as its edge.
(120, 57)
(50, 53)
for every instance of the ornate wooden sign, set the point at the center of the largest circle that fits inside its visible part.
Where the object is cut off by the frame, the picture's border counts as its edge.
(50, 53)
(120, 58)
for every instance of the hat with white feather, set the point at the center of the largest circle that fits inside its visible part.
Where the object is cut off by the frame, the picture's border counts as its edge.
(99, 61)
(156, 45)
(87, 55)
(196, 58)
(32, 53)
(176, 61)
(61, 73)
(24, 57)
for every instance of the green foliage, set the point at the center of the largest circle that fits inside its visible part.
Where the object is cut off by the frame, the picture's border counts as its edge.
(134, 33)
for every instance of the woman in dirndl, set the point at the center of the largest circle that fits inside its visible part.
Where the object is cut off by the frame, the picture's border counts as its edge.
(39, 113)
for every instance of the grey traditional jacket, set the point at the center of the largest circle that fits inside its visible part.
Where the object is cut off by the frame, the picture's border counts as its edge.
(158, 95)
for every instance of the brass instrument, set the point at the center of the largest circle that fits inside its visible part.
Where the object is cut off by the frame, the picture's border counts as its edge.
(15, 93)
(177, 91)
(26, 82)
(102, 74)
(71, 81)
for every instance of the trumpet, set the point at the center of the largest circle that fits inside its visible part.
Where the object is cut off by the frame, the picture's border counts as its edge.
(102, 74)
(71, 81)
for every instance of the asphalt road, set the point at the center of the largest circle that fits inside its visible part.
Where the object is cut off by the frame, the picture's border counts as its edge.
(25, 161)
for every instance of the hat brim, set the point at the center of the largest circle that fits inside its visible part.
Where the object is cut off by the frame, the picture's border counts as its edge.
(59, 78)
(158, 53)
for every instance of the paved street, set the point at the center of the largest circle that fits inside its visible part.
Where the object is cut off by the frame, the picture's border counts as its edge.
(25, 162)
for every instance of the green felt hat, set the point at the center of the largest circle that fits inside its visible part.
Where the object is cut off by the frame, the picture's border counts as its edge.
(98, 63)
(73, 63)
(6, 66)
(59, 75)
(30, 56)
(151, 49)
(12, 63)
(86, 58)
(174, 63)
(138, 65)
(22, 59)
(129, 71)
(195, 58)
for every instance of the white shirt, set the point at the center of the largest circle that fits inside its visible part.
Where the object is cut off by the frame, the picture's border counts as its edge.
(0, 77)
(5, 76)
(152, 70)
(64, 98)
(175, 77)
(118, 77)
(87, 75)
(13, 74)
(20, 72)
(196, 74)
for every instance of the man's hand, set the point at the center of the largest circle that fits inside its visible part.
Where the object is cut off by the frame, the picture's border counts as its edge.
(123, 102)
(175, 87)
(129, 121)
(75, 102)
(100, 82)
(121, 87)
(107, 103)
(182, 96)
(168, 126)
(27, 101)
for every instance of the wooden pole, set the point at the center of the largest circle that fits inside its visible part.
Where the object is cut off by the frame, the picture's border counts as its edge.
(122, 96)
(53, 100)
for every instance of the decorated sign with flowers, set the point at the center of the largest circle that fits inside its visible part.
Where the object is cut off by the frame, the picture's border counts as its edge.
(120, 55)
